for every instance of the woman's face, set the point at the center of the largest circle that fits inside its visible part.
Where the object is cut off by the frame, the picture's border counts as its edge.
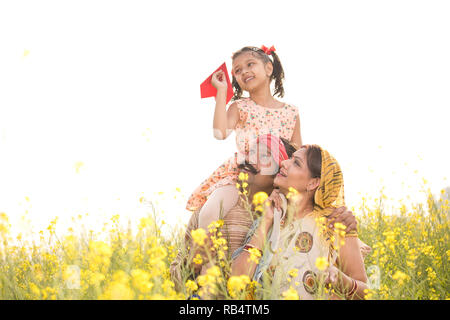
(295, 173)
(250, 72)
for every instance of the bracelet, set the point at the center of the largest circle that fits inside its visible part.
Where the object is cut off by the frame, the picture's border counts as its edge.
(351, 234)
(352, 290)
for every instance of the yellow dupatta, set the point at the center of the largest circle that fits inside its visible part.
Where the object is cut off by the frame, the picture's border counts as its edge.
(329, 195)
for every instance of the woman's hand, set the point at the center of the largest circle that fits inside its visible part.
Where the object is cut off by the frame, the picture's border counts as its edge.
(345, 217)
(331, 275)
(219, 81)
(273, 201)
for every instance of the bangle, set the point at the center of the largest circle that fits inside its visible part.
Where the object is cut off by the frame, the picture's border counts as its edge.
(351, 234)
(352, 291)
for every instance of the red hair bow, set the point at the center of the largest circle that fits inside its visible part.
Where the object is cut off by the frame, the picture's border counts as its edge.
(268, 51)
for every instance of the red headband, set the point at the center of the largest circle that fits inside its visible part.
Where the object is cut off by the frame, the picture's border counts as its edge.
(275, 145)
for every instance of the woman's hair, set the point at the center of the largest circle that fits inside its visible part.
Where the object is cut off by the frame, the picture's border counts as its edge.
(277, 74)
(314, 160)
(290, 149)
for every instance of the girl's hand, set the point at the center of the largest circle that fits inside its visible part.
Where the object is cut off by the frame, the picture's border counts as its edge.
(219, 81)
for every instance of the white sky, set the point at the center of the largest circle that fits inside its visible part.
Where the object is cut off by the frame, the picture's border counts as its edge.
(115, 85)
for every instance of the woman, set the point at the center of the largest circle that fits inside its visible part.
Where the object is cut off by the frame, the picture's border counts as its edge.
(304, 245)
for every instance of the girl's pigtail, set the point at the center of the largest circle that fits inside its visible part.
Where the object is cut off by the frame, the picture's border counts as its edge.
(237, 90)
(278, 75)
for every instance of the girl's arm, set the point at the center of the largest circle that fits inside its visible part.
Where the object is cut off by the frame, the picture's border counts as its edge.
(351, 267)
(224, 121)
(296, 135)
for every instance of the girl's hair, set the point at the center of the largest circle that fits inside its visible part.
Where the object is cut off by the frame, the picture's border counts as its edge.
(277, 74)
(314, 160)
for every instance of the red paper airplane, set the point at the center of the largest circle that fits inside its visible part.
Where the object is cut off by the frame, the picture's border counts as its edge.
(207, 89)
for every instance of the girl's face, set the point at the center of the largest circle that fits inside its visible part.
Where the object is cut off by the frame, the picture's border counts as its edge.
(250, 72)
(295, 173)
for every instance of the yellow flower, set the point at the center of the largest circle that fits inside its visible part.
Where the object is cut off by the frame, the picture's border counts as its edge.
(191, 286)
(214, 271)
(213, 226)
(255, 255)
(198, 259)
(321, 263)
(259, 198)
(199, 236)
(390, 236)
(95, 278)
(400, 276)
(236, 284)
(205, 280)
(290, 294)
(35, 290)
(100, 248)
(141, 280)
(243, 176)
(368, 294)
(121, 276)
(431, 273)
(117, 291)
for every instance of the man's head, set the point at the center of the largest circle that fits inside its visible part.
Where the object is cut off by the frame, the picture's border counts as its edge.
(258, 179)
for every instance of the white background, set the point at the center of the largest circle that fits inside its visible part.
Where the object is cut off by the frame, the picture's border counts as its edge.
(114, 85)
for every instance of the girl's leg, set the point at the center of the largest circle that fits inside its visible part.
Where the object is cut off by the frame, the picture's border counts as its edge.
(218, 204)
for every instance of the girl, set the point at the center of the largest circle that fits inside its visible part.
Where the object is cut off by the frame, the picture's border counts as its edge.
(253, 70)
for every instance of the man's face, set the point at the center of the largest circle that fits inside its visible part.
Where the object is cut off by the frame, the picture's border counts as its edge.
(261, 157)
(260, 166)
